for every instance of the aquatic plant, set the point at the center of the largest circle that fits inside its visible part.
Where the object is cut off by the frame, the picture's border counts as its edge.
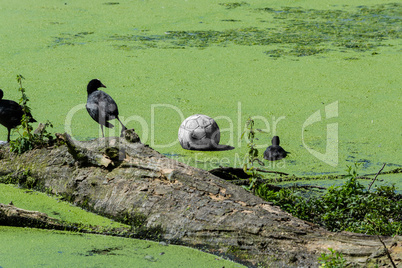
(292, 31)
(234, 5)
(29, 140)
(349, 207)
(334, 259)
(252, 155)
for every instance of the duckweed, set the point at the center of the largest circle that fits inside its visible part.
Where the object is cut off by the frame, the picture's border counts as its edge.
(299, 32)
(25, 247)
(233, 5)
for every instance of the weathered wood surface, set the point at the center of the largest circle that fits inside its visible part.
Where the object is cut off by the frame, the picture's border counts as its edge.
(10, 215)
(189, 206)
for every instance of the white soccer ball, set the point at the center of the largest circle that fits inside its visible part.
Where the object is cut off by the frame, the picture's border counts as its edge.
(199, 132)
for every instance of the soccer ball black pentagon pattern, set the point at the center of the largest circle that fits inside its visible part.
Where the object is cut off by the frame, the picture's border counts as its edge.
(199, 132)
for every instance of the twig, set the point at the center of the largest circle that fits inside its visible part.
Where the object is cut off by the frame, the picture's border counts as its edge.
(386, 250)
(269, 171)
(376, 176)
(364, 177)
(309, 187)
(276, 187)
(382, 242)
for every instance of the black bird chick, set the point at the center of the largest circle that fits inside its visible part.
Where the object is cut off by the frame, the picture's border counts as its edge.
(275, 152)
(11, 114)
(100, 106)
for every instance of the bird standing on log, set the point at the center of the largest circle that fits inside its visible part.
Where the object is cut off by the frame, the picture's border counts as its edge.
(100, 106)
(11, 114)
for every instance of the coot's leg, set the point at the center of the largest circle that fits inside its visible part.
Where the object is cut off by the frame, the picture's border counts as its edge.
(124, 128)
(8, 135)
(103, 135)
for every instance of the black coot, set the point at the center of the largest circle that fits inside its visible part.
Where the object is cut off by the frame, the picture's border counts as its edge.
(100, 106)
(275, 152)
(11, 114)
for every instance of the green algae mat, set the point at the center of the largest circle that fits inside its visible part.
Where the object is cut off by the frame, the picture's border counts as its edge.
(46, 248)
(324, 77)
(26, 247)
(53, 207)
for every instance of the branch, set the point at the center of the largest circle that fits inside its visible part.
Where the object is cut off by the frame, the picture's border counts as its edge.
(308, 187)
(269, 171)
(13, 216)
(386, 250)
(376, 176)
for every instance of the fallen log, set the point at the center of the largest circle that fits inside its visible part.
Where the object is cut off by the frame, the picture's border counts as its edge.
(13, 216)
(184, 205)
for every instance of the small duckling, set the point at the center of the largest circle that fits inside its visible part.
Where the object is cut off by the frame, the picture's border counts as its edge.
(275, 152)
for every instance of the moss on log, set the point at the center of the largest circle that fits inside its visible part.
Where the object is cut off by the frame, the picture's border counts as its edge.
(185, 205)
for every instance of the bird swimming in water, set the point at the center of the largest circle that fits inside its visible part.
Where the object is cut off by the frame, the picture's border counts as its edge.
(275, 152)
(100, 106)
(11, 114)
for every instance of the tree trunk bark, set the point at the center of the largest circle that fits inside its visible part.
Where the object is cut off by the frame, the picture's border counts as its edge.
(165, 199)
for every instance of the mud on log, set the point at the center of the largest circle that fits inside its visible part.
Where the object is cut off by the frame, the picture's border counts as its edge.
(185, 205)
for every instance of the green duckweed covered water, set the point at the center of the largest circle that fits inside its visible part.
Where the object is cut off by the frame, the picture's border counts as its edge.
(46, 248)
(279, 62)
(299, 68)
(53, 207)
(26, 247)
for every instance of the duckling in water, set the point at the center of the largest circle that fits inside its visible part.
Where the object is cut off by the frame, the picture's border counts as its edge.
(275, 152)
(11, 114)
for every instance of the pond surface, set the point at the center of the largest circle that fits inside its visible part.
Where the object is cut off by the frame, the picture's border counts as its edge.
(26, 247)
(323, 77)
(387, 179)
